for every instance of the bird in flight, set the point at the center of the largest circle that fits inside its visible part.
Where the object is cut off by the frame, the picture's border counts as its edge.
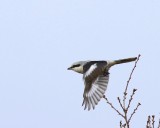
(96, 77)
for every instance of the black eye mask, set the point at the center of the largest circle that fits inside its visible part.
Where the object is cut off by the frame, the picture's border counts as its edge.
(77, 65)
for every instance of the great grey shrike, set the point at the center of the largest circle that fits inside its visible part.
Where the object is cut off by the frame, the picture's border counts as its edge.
(96, 77)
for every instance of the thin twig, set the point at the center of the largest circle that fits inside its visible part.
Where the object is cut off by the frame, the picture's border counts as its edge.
(134, 90)
(153, 121)
(149, 122)
(113, 106)
(125, 92)
(126, 118)
(120, 124)
(134, 112)
(124, 125)
(119, 100)
(159, 124)
(124, 115)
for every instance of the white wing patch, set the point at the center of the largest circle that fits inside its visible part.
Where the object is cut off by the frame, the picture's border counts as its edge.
(93, 96)
(91, 69)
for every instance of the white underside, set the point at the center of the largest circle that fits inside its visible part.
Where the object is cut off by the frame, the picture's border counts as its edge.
(78, 69)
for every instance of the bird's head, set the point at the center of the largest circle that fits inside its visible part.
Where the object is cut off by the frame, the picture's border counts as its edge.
(77, 66)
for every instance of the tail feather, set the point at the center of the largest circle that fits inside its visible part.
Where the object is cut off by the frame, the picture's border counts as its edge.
(125, 60)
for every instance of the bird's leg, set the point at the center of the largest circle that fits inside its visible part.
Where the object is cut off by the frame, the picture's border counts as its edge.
(105, 73)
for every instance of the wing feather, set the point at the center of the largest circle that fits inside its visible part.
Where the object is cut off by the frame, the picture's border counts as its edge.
(95, 85)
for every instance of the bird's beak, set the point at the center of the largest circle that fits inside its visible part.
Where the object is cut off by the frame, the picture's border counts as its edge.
(69, 68)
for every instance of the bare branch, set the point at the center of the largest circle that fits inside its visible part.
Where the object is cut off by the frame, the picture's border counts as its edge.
(134, 112)
(159, 124)
(119, 100)
(113, 106)
(120, 124)
(125, 92)
(148, 122)
(131, 98)
(153, 121)
(125, 109)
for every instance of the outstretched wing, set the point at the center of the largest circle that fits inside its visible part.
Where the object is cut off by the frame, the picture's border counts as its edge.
(96, 81)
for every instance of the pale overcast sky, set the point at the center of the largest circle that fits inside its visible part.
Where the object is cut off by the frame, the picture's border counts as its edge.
(39, 39)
